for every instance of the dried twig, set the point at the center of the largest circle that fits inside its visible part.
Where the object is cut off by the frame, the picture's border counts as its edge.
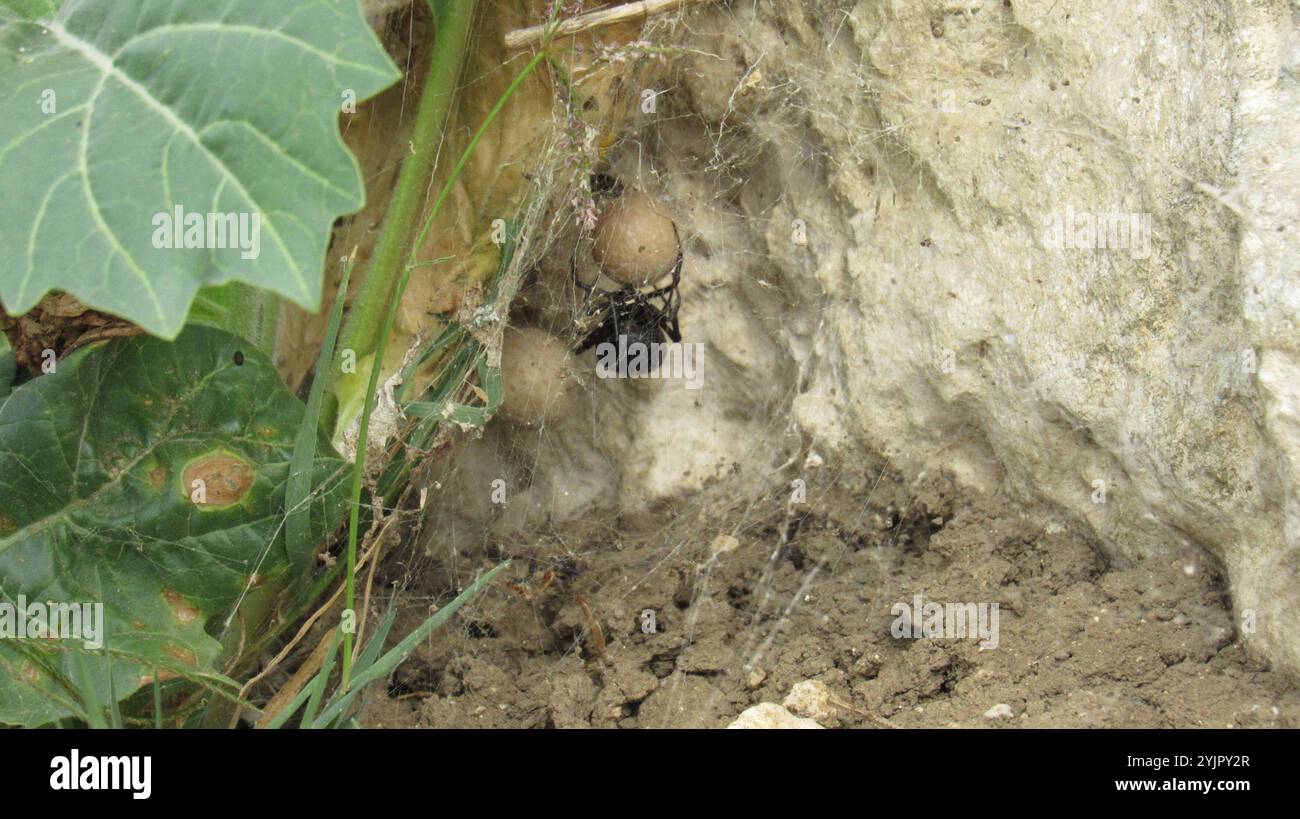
(599, 18)
(313, 662)
(867, 715)
(594, 630)
(295, 683)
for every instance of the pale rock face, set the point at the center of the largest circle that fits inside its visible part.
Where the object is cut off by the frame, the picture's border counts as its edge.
(1268, 156)
(910, 262)
(892, 213)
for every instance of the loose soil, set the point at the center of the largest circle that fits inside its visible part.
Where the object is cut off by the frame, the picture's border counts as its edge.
(807, 594)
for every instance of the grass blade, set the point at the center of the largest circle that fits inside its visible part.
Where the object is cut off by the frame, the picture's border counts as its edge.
(85, 681)
(384, 665)
(359, 466)
(290, 709)
(376, 644)
(321, 680)
(114, 710)
(157, 702)
(297, 491)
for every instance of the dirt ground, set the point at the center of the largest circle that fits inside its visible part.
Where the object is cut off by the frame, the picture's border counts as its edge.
(1082, 641)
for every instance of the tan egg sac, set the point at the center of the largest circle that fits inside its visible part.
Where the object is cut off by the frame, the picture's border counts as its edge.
(538, 375)
(635, 240)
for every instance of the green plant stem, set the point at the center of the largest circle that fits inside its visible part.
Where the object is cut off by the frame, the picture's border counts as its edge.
(359, 468)
(453, 26)
(367, 308)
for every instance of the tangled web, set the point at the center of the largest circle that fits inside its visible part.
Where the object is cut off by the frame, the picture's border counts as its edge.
(677, 554)
(650, 581)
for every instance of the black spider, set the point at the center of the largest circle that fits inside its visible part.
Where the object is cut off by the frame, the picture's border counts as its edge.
(644, 316)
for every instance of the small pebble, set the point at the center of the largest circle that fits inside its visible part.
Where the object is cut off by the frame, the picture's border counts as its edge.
(811, 699)
(999, 711)
(770, 715)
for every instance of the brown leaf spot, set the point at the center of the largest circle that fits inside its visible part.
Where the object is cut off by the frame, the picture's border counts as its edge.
(226, 478)
(183, 654)
(163, 676)
(180, 607)
(158, 477)
(7, 524)
(30, 673)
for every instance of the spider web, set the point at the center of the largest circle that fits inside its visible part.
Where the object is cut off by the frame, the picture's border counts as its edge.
(765, 558)
(571, 480)
(575, 481)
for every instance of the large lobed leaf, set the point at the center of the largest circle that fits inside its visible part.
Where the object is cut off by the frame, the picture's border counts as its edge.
(8, 367)
(117, 111)
(97, 504)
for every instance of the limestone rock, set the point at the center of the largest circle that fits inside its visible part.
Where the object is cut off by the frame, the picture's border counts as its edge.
(770, 715)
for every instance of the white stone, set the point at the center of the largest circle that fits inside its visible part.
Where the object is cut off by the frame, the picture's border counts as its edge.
(770, 715)
(999, 711)
(811, 699)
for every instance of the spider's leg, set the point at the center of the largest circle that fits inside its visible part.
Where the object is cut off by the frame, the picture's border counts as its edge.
(672, 297)
(671, 287)
(594, 300)
(669, 306)
(666, 290)
(598, 335)
(677, 267)
(671, 329)
(613, 315)
(674, 301)
(592, 339)
(573, 269)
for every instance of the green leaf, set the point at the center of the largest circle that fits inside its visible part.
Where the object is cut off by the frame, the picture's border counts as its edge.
(33, 9)
(98, 504)
(120, 112)
(297, 523)
(8, 367)
(240, 309)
